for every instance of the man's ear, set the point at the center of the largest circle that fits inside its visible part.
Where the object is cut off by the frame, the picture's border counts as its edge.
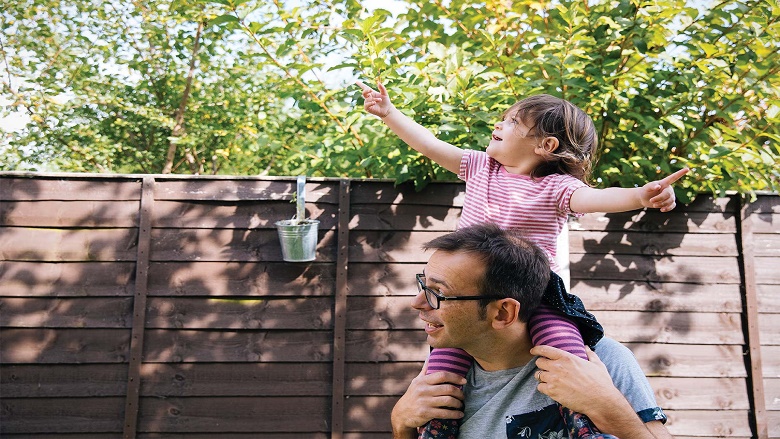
(505, 313)
(549, 144)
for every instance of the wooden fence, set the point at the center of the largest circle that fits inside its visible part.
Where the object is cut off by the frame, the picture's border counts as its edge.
(160, 307)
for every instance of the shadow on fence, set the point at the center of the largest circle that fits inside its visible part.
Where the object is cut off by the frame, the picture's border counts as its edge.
(238, 343)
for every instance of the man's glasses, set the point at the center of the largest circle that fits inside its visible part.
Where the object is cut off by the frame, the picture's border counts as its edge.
(434, 298)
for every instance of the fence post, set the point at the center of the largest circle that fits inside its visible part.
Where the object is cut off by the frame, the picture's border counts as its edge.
(340, 312)
(748, 267)
(139, 308)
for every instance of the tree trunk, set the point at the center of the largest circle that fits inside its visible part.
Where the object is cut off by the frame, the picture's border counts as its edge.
(178, 129)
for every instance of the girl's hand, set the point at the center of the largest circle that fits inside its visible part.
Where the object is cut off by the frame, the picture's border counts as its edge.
(376, 102)
(659, 194)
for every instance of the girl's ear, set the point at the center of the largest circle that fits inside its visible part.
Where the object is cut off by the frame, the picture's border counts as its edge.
(549, 144)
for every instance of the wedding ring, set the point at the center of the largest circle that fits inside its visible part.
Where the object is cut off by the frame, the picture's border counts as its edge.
(538, 375)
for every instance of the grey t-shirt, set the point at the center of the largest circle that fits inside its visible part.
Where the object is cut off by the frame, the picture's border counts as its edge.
(506, 403)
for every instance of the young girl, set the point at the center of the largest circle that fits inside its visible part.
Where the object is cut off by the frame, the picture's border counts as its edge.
(531, 177)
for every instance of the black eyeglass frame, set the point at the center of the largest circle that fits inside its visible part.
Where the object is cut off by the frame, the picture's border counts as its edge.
(421, 287)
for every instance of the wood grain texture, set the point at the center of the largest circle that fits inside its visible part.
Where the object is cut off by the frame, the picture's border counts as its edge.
(241, 278)
(239, 343)
(66, 279)
(66, 245)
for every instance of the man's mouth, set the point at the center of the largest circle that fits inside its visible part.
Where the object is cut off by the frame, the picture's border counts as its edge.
(495, 137)
(430, 325)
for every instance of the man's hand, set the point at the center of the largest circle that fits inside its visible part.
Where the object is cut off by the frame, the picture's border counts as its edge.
(376, 102)
(586, 387)
(434, 396)
(659, 194)
(574, 382)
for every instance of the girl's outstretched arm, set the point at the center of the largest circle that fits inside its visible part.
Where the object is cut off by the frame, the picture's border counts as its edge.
(657, 194)
(415, 135)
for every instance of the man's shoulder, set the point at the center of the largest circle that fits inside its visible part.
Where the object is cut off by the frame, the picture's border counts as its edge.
(611, 351)
(609, 346)
(628, 377)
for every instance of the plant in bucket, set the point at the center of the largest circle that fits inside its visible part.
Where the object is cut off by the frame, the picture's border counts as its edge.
(298, 236)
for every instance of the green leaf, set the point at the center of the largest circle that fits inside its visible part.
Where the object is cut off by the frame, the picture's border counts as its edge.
(222, 19)
(663, 82)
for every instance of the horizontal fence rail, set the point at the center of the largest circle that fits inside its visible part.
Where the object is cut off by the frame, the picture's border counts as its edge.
(159, 306)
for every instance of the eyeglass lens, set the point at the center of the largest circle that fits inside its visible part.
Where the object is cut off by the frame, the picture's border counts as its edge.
(430, 295)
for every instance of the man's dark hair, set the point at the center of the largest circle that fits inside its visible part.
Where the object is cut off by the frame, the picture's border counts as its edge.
(515, 267)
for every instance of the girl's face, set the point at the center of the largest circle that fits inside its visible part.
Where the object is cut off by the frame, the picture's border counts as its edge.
(512, 144)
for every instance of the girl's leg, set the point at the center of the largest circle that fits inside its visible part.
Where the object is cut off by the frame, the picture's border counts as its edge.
(449, 360)
(446, 360)
(552, 328)
(579, 426)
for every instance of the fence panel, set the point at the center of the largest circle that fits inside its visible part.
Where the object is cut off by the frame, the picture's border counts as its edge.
(67, 247)
(238, 343)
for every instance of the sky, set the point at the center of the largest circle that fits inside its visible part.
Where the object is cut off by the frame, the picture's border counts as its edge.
(15, 121)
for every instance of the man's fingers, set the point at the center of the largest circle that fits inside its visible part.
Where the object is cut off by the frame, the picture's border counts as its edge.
(592, 357)
(548, 352)
(447, 402)
(669, 180)
(445, 378)
(424, 368)
(444, 413)
(544, 388)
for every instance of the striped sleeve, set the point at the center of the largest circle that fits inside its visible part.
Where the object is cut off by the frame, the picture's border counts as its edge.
(566, 187)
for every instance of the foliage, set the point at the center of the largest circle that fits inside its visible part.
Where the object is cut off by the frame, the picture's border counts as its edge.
(108, 87)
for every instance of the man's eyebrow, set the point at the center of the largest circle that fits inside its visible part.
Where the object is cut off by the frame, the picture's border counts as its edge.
(438, 281)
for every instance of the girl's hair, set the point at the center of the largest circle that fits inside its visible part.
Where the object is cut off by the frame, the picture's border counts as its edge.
(548, 116)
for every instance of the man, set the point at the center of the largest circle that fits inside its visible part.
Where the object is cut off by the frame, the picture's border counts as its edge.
(476, 293)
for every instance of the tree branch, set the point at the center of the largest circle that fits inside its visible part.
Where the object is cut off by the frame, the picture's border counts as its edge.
(178, 129)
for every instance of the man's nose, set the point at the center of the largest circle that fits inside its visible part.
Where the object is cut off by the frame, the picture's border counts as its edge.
(419, 302)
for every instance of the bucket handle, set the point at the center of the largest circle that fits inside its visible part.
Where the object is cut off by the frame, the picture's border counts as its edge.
(300, 214)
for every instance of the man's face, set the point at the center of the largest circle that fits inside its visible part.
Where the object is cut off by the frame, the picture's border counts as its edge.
(456, 323)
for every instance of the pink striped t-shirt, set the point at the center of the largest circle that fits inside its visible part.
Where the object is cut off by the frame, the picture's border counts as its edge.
(537, 206)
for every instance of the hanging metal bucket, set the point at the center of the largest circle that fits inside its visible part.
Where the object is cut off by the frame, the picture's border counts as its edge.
(298, 236)
(298, 240)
